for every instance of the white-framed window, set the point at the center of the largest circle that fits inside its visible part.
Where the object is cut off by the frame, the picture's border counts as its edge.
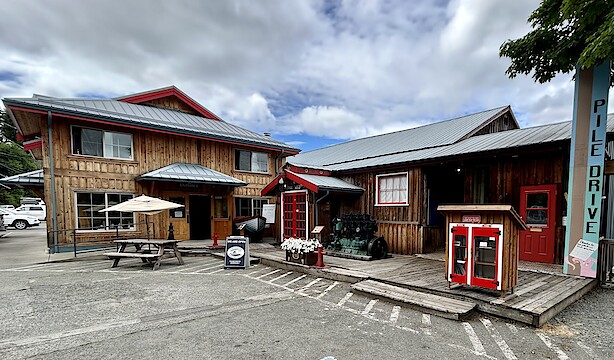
(392, 189)
(89, 217)
(252, 161)
(96, 142)
(249, 206)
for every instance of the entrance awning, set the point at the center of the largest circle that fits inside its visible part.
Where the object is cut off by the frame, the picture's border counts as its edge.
(29, 179)
(315, 183)
(192, 173)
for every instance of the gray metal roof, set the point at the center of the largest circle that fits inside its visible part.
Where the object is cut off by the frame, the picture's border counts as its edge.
(149, 117)
(436, 134)
(329, 183)
(477, 144)
(183, 172)
(32, 178)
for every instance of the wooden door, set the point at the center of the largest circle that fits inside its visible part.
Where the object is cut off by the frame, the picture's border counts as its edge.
(177, 217)
(537, 209)
(294, 211)
(486, 257)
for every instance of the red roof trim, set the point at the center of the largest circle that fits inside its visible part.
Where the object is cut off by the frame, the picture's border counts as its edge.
(161, 93)
(299, 180)
(271, 186)
(32, 144)
(309, 171)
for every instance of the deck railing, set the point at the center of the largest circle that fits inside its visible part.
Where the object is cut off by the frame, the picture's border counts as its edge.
(605, 265)
(111, 232)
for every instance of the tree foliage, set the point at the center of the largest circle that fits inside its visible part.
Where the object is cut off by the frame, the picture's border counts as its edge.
(7, 129)
(565, 33)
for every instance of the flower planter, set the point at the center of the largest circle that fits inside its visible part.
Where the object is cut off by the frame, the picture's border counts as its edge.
(309, 259)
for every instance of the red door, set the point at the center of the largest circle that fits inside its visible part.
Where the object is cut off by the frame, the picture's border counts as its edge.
(295, 216)
(485, 257)
(537, 209)
(458, 255)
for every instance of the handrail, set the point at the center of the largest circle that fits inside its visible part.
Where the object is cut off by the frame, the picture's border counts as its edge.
(74, 231)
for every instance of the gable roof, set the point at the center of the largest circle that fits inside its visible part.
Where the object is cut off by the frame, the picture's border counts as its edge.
(509, 139)
(155, 94)
(195, 173)
(147, 117)
(427, 136)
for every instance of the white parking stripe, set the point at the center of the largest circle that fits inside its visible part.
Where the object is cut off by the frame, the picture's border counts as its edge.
(259, 270)
(509, 354)
(394, 315)
(208, 268)
(271, 273)
(559, 353)
(280, 277)
(587, 349)
(293, 281)
(369, 307)
(329, 288)
(426, 319)
(345, 299)
(310, 284)
(214, 272)
(475, 340)
(28, 267)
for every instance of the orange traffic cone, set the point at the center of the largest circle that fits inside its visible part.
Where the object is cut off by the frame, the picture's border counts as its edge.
(320, 263)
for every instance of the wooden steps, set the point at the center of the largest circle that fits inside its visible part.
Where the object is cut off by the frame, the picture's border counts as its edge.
(428, 303)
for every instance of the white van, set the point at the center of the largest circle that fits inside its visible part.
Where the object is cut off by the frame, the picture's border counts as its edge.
(37, 211)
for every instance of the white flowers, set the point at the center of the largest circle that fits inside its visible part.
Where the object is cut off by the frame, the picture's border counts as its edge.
(300, 245)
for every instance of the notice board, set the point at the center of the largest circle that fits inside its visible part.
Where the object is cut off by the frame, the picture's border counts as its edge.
(268, 211)
(236, 252)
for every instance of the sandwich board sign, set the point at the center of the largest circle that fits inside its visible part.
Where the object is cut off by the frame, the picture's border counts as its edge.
(236, 252)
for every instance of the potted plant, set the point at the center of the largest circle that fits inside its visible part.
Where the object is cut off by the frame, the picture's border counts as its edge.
(301, 251)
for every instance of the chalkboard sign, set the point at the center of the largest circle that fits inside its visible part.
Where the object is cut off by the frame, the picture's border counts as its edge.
(268, 211)
(236, 252)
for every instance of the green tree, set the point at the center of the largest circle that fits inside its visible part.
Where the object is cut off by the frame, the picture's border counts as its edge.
(7, 129)
(565, 33)
(14, 160)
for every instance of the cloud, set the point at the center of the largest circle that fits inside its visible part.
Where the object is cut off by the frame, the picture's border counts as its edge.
(334, 69)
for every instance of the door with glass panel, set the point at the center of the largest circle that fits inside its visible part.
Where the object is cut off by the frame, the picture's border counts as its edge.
(537, 209)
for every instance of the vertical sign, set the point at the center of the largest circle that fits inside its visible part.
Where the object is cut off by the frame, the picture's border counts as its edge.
(588, 141)
(236, 252)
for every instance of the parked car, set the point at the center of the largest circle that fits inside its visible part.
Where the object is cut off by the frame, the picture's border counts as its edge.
(2, 228)
(17, 220)
(37, 211)
(8, 207)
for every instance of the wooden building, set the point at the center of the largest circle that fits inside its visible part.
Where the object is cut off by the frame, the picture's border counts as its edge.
(162, 143)
(482, 158)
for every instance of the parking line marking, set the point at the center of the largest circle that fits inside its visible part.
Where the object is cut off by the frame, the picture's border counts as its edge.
(280, 277)
(587, 349)
(271, 273)
(394, 315)
(426, 319)
(369, 307)
(293, 281)
(309, 285)
(559, 353)
(214, 272)
(475, 340)
(329, 288)
(208, 268)
(499, 340)
(259, 270)
(345, 299)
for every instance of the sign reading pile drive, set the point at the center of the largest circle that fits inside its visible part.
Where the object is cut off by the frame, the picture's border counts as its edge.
(236, 252)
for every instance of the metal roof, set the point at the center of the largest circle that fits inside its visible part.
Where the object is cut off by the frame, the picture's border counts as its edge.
(32, 178)
(328, 183)
(183, 172)
(149, 117)
(476, 144)
(436, 134)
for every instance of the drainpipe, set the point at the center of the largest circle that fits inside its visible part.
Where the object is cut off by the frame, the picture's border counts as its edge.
(277, 162)
(54, 217)
(318, 202)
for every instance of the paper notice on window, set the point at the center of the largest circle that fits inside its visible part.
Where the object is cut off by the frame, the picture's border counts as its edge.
(583, 249)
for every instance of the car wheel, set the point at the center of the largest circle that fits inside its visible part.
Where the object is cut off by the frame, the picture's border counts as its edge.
(20, 224)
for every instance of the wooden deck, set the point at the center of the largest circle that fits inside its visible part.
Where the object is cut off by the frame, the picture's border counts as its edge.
(538, 297)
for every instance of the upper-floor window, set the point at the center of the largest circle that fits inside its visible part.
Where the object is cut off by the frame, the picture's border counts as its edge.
(392, 189)
(94, 142)
(251, 161)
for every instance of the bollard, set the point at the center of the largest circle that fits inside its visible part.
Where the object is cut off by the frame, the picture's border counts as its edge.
(215, 239)
(320, 263)
(171, 232)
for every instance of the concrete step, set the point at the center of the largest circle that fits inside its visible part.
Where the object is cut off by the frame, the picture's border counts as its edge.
(427, 303)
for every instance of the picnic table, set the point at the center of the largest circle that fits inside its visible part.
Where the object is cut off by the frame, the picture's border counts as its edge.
(162, 249)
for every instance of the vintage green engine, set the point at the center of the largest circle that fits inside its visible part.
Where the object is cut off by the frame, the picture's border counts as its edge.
(355, 235)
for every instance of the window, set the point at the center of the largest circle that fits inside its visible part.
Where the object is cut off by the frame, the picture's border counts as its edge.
(392, 189)
(89, 217)
(220, 207)
(249, 207)
(179, 212)
(100, 143)
(251, 161)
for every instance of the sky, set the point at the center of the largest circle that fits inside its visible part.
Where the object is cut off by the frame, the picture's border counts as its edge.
(312, 73)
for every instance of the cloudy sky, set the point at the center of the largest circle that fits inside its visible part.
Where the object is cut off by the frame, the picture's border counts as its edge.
(312, 73)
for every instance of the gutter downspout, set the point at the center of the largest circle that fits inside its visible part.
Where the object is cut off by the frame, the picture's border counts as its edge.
(54, 216)
(277, 162)
(318, 202)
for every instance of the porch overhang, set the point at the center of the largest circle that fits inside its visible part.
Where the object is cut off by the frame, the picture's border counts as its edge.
(315, 183)
(31, 179)
(190, 173)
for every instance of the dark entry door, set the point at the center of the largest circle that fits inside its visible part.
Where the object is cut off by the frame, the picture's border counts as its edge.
(295, 215)
(537, 209)
(200, 217)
